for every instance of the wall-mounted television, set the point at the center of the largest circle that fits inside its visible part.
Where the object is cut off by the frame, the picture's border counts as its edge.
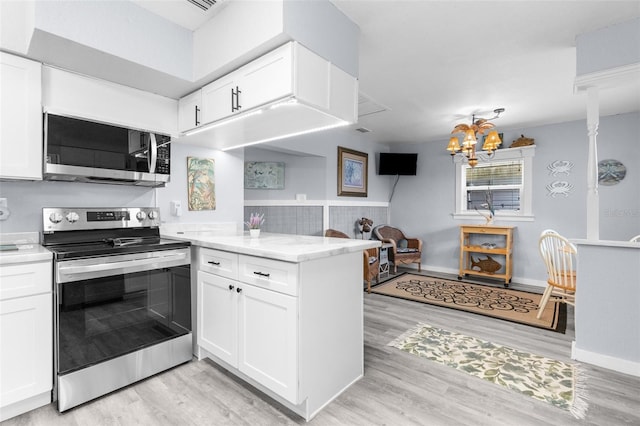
(397, 164)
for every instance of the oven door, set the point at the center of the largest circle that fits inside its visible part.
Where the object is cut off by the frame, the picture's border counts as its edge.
(114, 305)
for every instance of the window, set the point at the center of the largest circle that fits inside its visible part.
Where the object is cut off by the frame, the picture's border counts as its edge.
(506, 178)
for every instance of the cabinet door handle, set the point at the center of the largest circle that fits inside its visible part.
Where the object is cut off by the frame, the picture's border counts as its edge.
(238, 290)
(231, 287)
(262, 274)
(211, 262)
(235, 99)
(197, 120)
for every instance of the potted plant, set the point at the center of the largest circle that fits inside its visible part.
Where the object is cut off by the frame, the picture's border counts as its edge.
(254, 223)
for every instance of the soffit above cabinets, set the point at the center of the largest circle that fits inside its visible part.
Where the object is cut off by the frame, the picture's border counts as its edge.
(134, 44)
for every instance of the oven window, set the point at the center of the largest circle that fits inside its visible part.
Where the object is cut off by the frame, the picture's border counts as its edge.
(106, 317)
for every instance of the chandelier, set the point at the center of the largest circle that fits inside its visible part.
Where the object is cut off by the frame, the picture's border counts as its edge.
(468, 148)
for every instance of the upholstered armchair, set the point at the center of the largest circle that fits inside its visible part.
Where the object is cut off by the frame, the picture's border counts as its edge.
(370, 259)
(404, 250)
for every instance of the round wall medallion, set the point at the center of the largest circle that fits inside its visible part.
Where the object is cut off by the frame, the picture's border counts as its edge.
(610, 172)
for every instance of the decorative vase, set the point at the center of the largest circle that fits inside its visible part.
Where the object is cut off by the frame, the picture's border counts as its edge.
(255, 233)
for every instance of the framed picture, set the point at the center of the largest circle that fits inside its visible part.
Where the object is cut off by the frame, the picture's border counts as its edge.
(201, 189)
(352, 172)
(263, 175)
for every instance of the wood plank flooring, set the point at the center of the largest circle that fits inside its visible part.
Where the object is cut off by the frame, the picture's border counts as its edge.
(397, 389)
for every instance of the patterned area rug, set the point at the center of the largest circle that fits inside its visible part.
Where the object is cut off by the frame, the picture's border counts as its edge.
(506, 304)
(544, 379)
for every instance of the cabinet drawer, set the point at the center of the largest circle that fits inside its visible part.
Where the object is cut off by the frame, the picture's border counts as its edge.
(270, 274)
(25, 279)
(218, 262)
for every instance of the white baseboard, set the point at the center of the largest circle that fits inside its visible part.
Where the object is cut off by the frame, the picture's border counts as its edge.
(20, 407)
(519, 280)
(606, 361)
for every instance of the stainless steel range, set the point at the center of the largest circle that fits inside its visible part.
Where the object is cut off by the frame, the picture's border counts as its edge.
(122, 299)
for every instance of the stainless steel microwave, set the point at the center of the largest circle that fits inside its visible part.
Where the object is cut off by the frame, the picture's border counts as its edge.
(79, 150)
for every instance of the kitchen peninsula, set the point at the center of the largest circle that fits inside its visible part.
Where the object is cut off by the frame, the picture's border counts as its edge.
(282, 312)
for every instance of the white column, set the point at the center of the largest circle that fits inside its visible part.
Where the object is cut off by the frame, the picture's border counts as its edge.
(593, 201)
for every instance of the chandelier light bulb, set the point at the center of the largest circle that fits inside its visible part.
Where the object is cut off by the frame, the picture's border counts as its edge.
(454, 145)
(478, 125)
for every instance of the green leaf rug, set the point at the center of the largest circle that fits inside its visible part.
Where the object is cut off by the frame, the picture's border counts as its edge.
(542, 378)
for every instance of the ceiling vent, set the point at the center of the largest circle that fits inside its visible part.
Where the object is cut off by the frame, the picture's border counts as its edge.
(367, 106)
(203, 4)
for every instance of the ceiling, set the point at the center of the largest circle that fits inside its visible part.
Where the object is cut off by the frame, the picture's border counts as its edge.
(432, 64)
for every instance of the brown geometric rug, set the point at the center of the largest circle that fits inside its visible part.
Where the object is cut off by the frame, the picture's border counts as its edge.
(503, 303)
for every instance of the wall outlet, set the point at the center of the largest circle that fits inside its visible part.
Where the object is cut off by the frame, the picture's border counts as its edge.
(176, 208)
(4, 209)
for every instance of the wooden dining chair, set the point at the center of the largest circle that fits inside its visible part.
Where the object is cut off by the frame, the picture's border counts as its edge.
(559, 256)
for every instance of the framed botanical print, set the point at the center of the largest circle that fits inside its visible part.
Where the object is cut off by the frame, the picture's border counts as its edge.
(201, 189)
(352, 172)
(263, 175)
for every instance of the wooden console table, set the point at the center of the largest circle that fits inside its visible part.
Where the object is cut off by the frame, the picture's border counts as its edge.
(467, 247)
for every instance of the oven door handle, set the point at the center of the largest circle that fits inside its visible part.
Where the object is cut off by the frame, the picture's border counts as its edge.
(120, 265)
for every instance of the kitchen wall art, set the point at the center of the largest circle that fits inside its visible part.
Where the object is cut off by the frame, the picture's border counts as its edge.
(611, 172)
(559, 187)
(263, 175)
(560, 167)
(352, 172)
(201, 191)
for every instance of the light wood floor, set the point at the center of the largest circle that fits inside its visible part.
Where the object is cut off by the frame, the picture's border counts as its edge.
(397, 389)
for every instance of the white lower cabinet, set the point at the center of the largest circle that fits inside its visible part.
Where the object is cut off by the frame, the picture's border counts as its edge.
(251, 329)
(26, 338)
(294, 330)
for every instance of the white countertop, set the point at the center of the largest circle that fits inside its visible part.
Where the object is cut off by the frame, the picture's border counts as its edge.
(290, 248)
(28, 249)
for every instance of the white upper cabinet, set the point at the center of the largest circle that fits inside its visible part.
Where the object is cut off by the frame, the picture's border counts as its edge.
(219, 99)
(262, 81)
(21, 118)
(320, 96)
(80, 96)
(343, 95)
(190, 111)
(266, 79)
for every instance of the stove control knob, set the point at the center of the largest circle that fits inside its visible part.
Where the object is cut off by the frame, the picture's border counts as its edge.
(55, 218)
(72, 217)
(141, 216)
(153, 215)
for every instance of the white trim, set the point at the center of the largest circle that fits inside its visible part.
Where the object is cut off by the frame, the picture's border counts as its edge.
(612, 77)
(525, 153)
(498, 217)
(612, 363)
(331, 203)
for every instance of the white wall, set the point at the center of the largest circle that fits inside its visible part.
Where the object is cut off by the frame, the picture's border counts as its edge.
(610, 47)
(26, 199)
(422, 205)
(303, 174)
(325, 144)
(228, 186)
(122, 29)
